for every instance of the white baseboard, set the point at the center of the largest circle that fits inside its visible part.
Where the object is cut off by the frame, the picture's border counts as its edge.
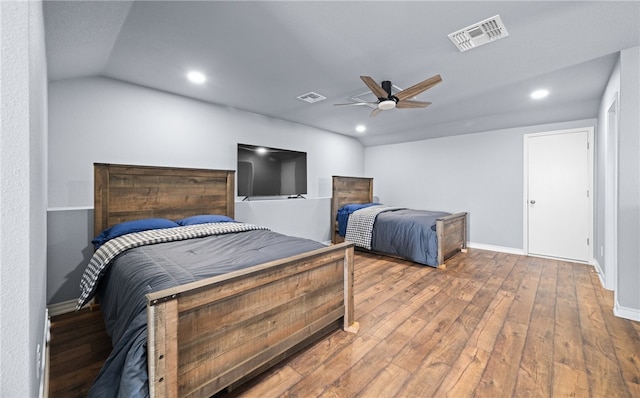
(625, 312)
(501, 249)
(600, 272)
(62, 308)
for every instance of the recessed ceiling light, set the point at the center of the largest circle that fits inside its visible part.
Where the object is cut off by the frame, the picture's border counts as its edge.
(539, 94)
(360, 128)
(196, 77)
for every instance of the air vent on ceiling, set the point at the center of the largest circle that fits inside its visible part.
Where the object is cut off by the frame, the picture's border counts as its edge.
(311, 97)
(483, 32)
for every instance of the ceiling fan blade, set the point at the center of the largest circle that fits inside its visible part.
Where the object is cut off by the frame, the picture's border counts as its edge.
(375, 88)
(357, 103)
(407, 104)
(375, 112)
(418, 88)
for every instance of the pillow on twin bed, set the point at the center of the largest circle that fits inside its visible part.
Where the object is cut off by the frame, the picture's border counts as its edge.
(351, 207)
(203, 219)
(345, 211)
(128, 227)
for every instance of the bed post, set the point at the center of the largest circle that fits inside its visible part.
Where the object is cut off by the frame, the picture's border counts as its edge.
(451, 231)
(231, 198)
(440, 238)
(463, 249)
(100, 197)
(162, 317)
(350, 325)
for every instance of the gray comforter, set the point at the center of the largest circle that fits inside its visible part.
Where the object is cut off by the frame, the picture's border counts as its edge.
(407, 233)
(151, 268)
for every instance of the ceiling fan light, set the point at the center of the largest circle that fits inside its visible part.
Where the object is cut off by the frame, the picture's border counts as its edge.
(387, 104)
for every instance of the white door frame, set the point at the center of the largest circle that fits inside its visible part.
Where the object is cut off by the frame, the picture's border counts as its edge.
(525, 207)
(610, 256)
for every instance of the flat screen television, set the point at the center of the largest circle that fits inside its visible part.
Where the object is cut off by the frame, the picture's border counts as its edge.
(264, 171)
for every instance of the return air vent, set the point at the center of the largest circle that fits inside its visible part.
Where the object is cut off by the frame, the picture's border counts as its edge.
(478, 34)
(311, 97)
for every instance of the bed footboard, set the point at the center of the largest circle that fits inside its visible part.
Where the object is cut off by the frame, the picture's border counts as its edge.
(205, 336)
(452, 236)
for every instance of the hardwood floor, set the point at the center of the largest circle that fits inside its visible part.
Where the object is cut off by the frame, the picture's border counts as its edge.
(490, 325)
(79, 346)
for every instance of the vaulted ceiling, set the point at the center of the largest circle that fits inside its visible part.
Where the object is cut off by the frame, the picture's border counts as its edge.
(260, 56)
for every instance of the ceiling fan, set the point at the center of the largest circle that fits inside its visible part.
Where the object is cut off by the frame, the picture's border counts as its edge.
(387, 100)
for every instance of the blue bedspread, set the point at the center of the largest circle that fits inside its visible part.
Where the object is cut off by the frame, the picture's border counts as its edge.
(406, 233)
(151, 268)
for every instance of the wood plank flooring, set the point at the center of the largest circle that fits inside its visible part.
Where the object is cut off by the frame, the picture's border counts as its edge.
(79, 346)
(490, 325)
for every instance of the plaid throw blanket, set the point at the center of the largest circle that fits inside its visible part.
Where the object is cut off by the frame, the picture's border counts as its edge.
(107, 252)
(360, 224)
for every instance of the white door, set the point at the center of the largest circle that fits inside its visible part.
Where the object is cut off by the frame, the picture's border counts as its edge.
(557, 205)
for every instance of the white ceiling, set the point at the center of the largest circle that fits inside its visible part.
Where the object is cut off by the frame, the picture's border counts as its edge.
(259, 56)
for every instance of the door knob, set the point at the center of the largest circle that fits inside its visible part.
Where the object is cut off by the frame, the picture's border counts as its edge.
(533, 202)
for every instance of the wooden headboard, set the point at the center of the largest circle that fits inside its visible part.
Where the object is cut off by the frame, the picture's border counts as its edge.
(348, 190)
(125, 193)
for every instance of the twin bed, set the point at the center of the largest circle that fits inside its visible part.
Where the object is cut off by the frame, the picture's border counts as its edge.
(182, 328)
(200, 305)
(425, 237)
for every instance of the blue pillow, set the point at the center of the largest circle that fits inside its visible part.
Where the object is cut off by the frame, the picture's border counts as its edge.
(128, 227)
(351, 207)
(203, 219)
(345, 211)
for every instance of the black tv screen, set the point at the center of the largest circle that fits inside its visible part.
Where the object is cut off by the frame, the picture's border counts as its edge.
(264, 171)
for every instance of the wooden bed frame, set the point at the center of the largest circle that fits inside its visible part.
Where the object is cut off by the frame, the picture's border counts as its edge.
(451, 230)
(214, 333)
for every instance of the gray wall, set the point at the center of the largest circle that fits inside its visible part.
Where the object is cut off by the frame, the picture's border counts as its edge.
(23, 142)
(69, 249)
(605, 166)
(620, 219)
(107, 121)
(480, 173)
(103, 120)
(628, 292)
